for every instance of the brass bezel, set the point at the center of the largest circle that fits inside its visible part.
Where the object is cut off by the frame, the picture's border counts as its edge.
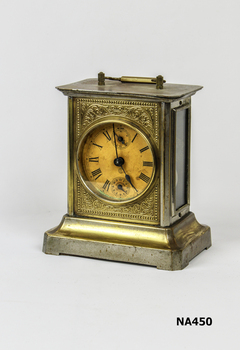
(137, 128)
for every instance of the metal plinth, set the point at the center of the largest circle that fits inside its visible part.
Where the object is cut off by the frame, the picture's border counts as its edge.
(169, 248)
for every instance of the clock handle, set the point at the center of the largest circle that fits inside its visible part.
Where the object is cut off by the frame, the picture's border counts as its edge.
(158, 80)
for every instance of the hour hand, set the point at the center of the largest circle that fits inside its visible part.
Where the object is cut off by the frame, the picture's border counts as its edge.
(127, 177)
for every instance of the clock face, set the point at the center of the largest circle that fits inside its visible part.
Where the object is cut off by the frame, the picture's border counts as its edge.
(116, 162)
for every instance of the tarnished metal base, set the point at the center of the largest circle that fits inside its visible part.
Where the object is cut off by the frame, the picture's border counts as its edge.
(169, 248)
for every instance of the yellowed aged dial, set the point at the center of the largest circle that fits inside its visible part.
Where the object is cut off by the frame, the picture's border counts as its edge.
(116, 161)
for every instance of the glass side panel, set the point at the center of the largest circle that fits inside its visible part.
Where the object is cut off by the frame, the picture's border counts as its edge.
(181, 157)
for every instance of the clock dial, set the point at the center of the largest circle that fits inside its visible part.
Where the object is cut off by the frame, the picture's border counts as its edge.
(116, 162)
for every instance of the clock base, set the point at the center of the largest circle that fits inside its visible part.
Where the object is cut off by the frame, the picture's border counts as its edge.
(167, 248)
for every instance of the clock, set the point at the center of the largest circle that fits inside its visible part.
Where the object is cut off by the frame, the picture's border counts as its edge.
(129, 174)
(116, 161)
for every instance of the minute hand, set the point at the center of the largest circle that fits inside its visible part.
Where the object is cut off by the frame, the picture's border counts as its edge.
(127, 177)
(114, 135)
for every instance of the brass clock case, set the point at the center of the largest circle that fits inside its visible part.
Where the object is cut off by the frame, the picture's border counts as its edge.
(116, 161)
(116, 218)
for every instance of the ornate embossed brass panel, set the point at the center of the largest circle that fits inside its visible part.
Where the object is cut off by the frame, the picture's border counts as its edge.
(128, 174)
(144, 115)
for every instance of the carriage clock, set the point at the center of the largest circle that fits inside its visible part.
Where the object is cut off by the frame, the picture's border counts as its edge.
(129, 174)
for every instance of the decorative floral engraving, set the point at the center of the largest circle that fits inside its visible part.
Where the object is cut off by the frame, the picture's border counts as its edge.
(144, 114)
(92, 112)
(89, 205)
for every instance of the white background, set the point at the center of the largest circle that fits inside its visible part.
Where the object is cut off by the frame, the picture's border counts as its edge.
(50, 302)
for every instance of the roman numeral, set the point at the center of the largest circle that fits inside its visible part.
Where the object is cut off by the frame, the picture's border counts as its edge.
(134, 137)
(95, 144)
(106, 185)
(144, 177)
(94, 159)
(144, 149)
(97, 172)
(147, 163)
(105, 133)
